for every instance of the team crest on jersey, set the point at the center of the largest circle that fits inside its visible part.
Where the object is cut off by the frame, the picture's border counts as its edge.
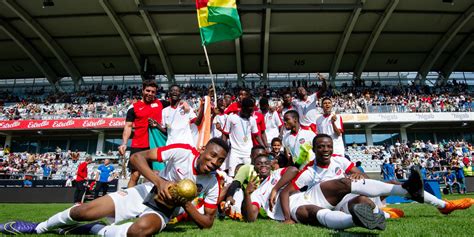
(301, 140)
(274, 181)
(338, 171)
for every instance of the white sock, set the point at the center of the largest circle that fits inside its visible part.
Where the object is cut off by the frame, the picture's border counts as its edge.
(59, 219)
(387, 216)
(374, 188)
(337, 220)
(433, 200)
(115, 230)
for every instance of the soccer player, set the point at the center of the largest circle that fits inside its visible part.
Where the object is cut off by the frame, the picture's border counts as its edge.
(297, 142)
(256, 199)
(306, 105)
(272, 120)
(260, 120)
(240, 128)
(256, 195)
(233, 196)
(219, 119)
(331, 124)
(138, 116)
(235, 107)
(287, 103)
(183, 162)
(328, 187)
(177, 121)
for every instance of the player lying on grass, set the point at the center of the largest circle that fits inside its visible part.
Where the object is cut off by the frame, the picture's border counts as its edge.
(256, 201)
(328, 187)
(183, 162)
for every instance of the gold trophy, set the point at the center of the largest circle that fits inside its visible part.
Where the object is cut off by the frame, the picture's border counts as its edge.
(182, 192)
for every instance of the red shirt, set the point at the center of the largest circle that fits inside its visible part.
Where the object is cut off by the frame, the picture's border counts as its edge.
(139, 114)
(81, 174)
(260, 125)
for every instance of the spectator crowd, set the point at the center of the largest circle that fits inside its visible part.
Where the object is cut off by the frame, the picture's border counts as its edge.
(106, 102)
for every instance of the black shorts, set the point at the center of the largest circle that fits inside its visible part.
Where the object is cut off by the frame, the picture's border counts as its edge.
(133, 151)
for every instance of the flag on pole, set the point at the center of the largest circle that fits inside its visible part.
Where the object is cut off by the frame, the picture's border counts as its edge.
(218, 20)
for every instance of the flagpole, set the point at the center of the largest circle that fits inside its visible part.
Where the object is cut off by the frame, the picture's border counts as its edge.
(210, 72)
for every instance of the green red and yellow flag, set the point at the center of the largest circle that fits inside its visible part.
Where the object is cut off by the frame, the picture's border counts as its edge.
(218, 20)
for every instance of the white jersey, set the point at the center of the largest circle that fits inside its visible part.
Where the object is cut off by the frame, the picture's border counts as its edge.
(307, 109)
(313, 174)
(218, 119)
(177, 124)
(272, 123)
(260, 197)
(324, 125)
(240, 132)
(181, 164)
(292, 142)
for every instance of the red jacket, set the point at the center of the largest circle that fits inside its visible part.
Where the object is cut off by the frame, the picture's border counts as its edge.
(81, 174)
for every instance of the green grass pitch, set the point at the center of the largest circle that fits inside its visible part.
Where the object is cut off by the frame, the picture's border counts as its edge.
(419, 220)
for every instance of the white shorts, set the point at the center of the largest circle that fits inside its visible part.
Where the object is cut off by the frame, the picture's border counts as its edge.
(315, 196)
(312, 196)
(129, 204)
(233, 161)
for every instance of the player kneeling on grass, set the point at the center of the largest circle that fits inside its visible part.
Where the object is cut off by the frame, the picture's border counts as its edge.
(153, 208)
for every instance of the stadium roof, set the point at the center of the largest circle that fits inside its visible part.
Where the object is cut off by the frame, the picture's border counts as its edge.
(151, 37)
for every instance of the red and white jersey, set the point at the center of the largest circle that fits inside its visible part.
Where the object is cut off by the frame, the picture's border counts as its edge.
(177, 124)
(272, 123)
(324, 125)
(240, 132)
(293, 141)
(181, 164)
(218, 119)
(313, 174)
(260, 197)
(307, 109)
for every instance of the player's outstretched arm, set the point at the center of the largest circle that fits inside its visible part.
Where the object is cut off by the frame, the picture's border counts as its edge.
(200, 115)
(289, 174)
(140, 162)
(203, 221)
(285, 201)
